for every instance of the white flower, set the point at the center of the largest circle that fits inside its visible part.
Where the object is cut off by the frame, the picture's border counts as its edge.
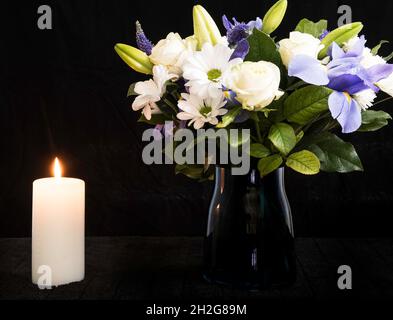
(365, 98)
(201, 111)
(369, 59)
(172, 52)
(204, 70)
(299, 43)
(256, 84)
(151, 91)
(386, 85)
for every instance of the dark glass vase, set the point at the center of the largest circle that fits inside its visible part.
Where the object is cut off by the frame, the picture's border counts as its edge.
(250, 239)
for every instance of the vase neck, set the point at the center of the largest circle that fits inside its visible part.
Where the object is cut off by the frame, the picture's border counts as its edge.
(274, 179)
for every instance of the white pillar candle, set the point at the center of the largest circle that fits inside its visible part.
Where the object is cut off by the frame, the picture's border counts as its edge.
(58, 230)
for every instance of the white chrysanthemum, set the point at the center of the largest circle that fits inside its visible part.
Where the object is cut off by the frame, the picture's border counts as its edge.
(369, 60)
(204, 70)
(365, 98)
(386, 85)
(150, 91)
(201, 111)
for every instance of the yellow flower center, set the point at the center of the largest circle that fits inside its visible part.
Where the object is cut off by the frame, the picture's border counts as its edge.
(348, 96)
(214, 75)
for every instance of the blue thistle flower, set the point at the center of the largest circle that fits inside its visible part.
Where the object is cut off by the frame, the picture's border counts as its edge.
(142, 41)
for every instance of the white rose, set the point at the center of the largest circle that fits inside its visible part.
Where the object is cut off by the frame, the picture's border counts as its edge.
(172, 52)
(299, 43)
(256, 84)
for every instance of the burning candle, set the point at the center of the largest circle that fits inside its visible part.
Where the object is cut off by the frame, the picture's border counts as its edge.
(58, 230)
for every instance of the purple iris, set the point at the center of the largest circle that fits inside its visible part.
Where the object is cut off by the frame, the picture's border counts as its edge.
(142, 41)
(346, 76)
(237, 33)
(229, 95)
(242, 49)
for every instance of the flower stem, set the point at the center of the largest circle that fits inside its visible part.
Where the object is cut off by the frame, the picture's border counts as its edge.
(383, 100)
(258, 130)
(170, 104)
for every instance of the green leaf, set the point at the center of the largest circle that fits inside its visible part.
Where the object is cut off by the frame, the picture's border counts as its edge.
(237, 139)
(389, 57)
(229, 117)
(305, 104)
(277, 115)
(374, 120)
(258, 150)
(155, 119)
(262, 47)
(269, 164)
(304, 162)
(283, 137)
(340, 36)
(334, 154)
(375, 50)
(131, 90)
(299, 136)
(313, 28)
(194, 171)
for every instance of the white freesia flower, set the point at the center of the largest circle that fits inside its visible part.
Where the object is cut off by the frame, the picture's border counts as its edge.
(365, 98)
(256, 84)
(172, 52)
(201, 111)
(150, 91)
(204, 69)
(299, 43)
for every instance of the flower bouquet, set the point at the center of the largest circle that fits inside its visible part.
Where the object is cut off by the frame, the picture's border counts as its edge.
(292, 95)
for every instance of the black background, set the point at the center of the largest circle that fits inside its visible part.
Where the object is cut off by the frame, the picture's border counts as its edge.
(63, 93)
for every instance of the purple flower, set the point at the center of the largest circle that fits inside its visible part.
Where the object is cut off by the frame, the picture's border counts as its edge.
(238, 31)
(168, 129)
(241, 50)
(346, 110)
(324, 34)
(229, 95)
(142, 41)
(346, 76)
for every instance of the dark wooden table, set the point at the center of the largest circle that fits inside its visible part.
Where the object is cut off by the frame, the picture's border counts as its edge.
(146, 268)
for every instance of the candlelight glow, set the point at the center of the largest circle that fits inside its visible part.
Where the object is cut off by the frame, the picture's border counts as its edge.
(57, 168)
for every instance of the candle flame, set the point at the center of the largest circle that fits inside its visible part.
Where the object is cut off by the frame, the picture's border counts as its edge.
(57, 168)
